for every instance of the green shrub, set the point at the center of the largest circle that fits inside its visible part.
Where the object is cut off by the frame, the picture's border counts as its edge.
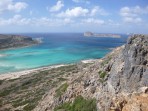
(106, 61)
(60, 91)
(102, 74)
(29, 107)
(1, 82)
(79, 104)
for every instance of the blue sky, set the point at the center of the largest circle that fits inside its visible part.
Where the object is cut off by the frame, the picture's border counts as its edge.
(103, 16)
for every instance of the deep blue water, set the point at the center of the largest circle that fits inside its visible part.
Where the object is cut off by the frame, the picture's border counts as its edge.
(57, 48)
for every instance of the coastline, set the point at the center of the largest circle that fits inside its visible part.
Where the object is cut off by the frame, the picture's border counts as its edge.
(17, 74)
(19, 47)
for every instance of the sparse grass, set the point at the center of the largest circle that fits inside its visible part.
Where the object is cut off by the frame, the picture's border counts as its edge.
(106, 61)
(12, 80)
(61, 89)
(62, 79)
(102, 74)
(79, 104)
(28, 90)
(68, 68)
(1, 82)
(8, 90)
(28, 102)
(1, 102)
(29, 107)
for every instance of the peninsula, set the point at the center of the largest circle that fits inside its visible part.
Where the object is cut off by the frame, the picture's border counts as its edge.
(14, 41)
(90, 34)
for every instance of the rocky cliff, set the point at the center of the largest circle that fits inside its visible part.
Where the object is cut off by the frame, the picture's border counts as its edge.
(13, 41)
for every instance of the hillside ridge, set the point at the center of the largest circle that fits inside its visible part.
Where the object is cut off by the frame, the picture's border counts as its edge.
(14, 41)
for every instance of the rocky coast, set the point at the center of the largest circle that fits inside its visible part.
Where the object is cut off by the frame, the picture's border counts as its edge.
(117, 82)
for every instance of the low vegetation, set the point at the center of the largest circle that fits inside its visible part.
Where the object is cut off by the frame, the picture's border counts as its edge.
(60, 91)
(106, 60)
(1, 82)
(79, 104)
(25, 92)
(102, 74)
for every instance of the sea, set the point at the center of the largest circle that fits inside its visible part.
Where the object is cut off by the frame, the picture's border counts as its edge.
(57, 48)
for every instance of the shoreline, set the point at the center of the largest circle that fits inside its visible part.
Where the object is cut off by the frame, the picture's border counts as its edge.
(19, 47)
(17, 74)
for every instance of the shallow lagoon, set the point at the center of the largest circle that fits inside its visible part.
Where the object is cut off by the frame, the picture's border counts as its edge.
(57, 48)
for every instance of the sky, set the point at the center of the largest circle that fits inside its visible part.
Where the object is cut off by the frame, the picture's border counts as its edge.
(102, 16)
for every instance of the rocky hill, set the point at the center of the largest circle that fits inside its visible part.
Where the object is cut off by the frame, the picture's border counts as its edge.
(13, 41)
(117, 82)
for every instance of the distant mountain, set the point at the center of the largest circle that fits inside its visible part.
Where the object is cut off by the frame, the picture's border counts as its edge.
(14, 41)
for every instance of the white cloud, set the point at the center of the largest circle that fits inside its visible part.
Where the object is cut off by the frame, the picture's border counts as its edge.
(132, 20)
(17, 7)
(15, 20)
(133, 11)
(93, 21)
(57, 7)
(98, 10)
(18, 20)
(10, 5)
(75, 12)
(81, 1)
(132, 14)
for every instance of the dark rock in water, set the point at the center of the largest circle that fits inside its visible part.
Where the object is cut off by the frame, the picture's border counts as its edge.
(14, 41)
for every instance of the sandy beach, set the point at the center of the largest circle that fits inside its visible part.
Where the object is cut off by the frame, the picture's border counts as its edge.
(89, 61)
(14, 75)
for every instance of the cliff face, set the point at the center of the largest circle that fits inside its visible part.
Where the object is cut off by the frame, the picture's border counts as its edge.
(127, 75)
(129, 70)
(13, 41)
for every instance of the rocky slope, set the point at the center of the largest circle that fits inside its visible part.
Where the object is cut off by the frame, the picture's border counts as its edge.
(117, 82)
(13, 41)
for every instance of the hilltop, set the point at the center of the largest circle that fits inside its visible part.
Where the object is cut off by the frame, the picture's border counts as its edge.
(117, 82)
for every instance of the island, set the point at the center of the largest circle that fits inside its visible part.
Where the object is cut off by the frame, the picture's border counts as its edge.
(14, 41)
(90, 34)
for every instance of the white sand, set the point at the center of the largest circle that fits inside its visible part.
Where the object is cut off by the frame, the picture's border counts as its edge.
(14, 75)
(89, 61)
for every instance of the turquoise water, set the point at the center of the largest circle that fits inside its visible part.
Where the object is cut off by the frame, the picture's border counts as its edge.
(56, 49)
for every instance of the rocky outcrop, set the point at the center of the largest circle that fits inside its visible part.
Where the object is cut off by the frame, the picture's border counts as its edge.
(13, 41)
(116, 80)
(128, 71)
